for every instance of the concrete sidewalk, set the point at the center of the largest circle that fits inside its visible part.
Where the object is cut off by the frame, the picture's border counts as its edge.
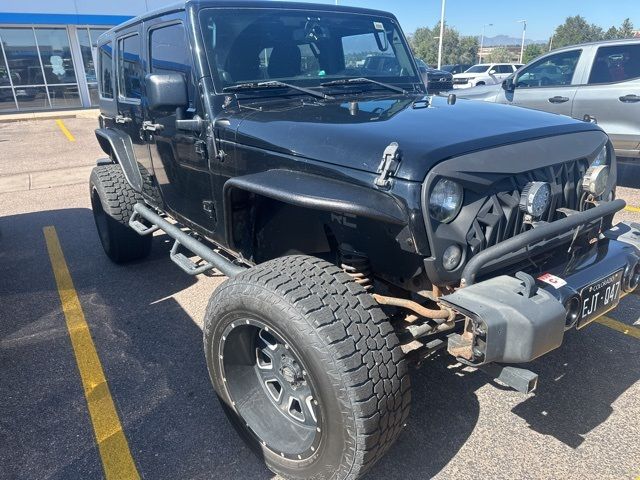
(50, 115)
(45, 179)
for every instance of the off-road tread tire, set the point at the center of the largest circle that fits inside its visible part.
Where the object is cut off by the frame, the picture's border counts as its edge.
(117, 199)
(366, 362)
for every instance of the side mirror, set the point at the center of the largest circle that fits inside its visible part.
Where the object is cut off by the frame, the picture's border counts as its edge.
(166, 91)
(493, 72)
(509, 85)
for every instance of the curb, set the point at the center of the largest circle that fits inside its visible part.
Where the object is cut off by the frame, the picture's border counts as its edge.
(23, 182)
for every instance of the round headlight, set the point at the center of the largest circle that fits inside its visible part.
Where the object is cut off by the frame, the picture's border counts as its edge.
(602, 158)
(445, 200)
(535, 198)
(596, 179)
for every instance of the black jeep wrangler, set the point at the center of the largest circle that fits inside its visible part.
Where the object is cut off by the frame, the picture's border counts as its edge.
(363, 224)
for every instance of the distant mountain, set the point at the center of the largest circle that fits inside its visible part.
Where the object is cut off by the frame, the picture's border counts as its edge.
(507, 40)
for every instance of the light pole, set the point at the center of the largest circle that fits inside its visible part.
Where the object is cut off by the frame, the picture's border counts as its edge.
(441, 34)
(524, 32)
(482, 41)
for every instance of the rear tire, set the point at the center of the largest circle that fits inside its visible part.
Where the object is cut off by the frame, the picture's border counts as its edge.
(312, 329)
(112, 201)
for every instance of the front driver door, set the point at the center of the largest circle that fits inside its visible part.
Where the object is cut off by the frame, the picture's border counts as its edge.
(179, 157)
(537, 88)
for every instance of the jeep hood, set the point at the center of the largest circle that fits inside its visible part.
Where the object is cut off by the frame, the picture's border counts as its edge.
(355, 134)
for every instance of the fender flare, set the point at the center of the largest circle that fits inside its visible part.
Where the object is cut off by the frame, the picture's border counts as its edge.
(317, 193)
(120, 146)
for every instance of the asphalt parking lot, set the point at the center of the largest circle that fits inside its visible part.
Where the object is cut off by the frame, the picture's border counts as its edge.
(62, 415)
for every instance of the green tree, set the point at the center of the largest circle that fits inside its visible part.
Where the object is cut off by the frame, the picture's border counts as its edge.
(455, 48)
(499, 54)
(576, 30)
(468, 51)
(626, 30)
(532, 51)
(611, 34)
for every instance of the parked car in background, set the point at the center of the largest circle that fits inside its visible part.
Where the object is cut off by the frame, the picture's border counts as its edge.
(484, 74)
(456, 68)
(597, 82)
(435, 80)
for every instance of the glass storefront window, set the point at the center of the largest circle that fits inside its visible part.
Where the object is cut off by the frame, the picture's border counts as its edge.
(7, 102)
(32, 98)
(39, 71)
(87, 54)
(87, 38)
(22, 55)
(55, 53)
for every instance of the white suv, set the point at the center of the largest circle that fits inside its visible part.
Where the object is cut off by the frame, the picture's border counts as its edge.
(484, 74)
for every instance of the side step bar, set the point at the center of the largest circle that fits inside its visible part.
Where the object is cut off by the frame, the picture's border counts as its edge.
(212, 258)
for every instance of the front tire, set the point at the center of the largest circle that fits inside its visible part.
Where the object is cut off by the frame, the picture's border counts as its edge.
(328, 345)
(112, 202)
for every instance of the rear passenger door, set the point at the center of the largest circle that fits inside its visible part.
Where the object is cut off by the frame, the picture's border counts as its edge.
(612, 96)
(179, 157)
(130, 92)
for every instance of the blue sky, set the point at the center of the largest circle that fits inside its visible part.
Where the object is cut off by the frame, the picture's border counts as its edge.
(468, 16)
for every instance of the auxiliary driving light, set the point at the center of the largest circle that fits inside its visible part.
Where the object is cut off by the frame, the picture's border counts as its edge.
(596, 179)
(451, 257)
(633, 279)
(535, 198)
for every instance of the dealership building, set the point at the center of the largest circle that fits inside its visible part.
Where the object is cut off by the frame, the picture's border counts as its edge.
(47, 58)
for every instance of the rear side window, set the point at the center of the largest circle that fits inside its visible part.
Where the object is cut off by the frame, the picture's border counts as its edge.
(129, 68)
(616, 63)
(106, 70)
(504, 68)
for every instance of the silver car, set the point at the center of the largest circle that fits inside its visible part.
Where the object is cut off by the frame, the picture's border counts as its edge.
(598, 82)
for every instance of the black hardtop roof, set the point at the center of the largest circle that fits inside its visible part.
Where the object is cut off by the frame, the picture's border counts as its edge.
(198, 4)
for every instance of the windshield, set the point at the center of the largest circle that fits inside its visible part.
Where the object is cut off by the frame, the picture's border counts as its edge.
(303, 48)
(478, 69)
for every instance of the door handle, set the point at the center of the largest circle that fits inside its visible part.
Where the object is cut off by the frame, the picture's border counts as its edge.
(630, 98)
(122, 119)
(558, 99)
(151, 127)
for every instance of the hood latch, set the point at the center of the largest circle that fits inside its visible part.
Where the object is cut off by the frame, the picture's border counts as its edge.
(388, 165)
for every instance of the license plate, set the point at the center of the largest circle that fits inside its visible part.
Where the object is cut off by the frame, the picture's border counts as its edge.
(600, 297)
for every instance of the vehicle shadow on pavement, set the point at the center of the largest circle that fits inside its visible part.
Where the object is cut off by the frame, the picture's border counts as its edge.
(149, 346)
(151, 351)
(580, 382)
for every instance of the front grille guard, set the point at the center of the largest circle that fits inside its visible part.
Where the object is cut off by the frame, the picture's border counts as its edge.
(500, 217)
(537, 235)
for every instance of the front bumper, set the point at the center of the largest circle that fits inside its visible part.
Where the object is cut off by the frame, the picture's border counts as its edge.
(515, 320)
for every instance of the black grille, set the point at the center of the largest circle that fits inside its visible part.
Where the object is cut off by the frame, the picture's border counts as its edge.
(500, 217)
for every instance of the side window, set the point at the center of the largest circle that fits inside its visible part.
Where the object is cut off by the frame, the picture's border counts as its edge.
(129, 68)
(504, 68)
(169, 52)
(616, 63)
(106, 70)
(554, 70)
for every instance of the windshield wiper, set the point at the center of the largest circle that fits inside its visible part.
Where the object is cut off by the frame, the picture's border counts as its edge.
(274, 84)
(360, 81)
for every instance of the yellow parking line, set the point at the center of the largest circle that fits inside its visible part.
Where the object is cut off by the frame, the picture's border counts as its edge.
(632, 209)
(620, 327)
(112, 443)
(63, 128)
